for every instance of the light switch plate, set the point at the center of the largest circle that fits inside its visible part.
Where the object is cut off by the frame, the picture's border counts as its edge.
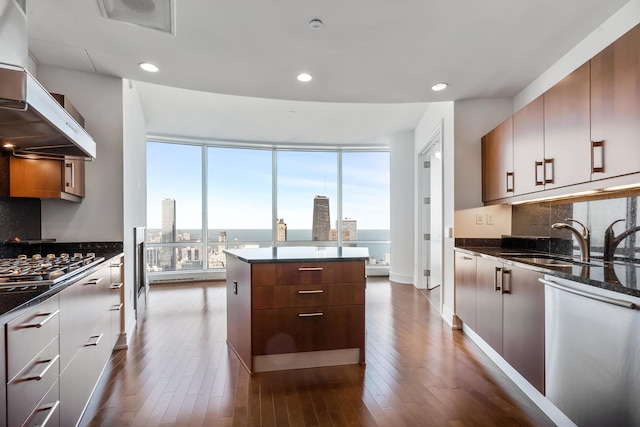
(479, 219)
(489, 219)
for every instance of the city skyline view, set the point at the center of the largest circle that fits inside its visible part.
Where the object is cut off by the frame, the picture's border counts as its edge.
(240, 186)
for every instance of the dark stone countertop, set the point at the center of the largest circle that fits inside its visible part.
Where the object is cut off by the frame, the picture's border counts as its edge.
(619, 277)
(299, 254)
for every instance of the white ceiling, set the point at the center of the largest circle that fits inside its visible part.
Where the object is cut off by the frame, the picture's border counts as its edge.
(229, 70)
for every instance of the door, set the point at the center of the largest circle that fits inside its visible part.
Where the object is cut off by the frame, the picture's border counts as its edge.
(497, 162)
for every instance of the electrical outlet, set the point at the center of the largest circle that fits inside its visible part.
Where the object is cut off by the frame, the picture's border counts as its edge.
(489, 219)
(479, 219)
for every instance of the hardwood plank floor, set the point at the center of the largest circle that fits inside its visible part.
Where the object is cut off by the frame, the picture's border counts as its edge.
(178, 371)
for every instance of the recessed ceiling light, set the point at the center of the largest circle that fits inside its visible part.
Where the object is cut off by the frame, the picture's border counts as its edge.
(315, 24)
(305, 77)
(8, 145)
(149, 67)
(439, 86)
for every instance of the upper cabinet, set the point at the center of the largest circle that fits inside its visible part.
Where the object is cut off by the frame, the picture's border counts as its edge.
(585, 128)
(497, 162)
(615, 107)
(47, 178)
(566, 130)
(528, 148)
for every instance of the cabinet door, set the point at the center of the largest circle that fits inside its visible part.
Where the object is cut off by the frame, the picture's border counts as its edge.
(615, 107)
(528, 148)
(523, 324)
(497, 162)
(35, 178)
(465, 277)
(567, 131)
(489, 297)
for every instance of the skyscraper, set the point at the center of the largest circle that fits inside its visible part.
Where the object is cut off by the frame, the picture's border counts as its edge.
(351, 227)
(168, 256)
(321, 221)
(282, 231)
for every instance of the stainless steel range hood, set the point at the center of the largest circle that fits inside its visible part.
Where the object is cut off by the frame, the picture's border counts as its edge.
(34, 122)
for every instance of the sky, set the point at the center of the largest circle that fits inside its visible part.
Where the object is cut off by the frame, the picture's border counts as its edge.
(239, 185)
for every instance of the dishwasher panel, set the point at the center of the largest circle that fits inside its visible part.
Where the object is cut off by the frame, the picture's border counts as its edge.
(592, 353)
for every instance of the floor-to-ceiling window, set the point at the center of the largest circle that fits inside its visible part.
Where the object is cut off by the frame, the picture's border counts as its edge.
(205, 198)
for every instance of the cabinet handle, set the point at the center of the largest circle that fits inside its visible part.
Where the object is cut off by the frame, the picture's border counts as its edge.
(116, 285)
(497, 279)
(597, 166)
(51, 409)
(41, 374)
(548, 171)
(41, 323)
(72, 181)
(96, 339)
(116, 265)
(539, 168)
(94, 281)
(310, 269)
(318, 291)
(504, 289)
(509, 182)
(116, 307)
(311, 314)
(466, 258)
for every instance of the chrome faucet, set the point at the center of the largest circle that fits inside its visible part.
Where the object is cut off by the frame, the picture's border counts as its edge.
(584, 238)
(611, 241)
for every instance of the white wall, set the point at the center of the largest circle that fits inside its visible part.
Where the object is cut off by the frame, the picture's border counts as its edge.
(134, 187)
(98, 218)
(401, 199)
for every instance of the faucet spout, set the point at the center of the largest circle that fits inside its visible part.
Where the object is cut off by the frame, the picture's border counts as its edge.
(583, 238)
(611, 241)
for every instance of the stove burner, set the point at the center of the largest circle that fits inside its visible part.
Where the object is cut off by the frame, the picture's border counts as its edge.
(43, 271)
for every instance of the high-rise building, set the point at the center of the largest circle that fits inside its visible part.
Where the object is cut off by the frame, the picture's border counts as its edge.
(351, 227)
(321, 221)
(168, 255)
(282, 231)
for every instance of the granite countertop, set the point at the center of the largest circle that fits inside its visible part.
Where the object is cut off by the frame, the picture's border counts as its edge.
(299, 254)
(617, 276)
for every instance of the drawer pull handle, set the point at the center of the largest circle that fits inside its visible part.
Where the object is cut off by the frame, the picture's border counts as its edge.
(311, 314)
(310, 269)
(116, 285)
(94, 281)
(317, 291)
(96, 339)
(41, 374)
(116, 265)
(116, 307)
(41, 323)
(51, 409)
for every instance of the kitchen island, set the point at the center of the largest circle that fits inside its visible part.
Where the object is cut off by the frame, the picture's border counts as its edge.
(296, 307)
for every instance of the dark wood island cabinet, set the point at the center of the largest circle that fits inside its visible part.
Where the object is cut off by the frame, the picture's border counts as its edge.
(296, 307)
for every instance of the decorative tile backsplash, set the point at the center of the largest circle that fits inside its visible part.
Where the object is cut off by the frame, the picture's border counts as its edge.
(535, 220)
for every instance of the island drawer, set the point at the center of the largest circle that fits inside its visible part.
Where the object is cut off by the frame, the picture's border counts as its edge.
(291, 330)
(285, 296)
(307, 273)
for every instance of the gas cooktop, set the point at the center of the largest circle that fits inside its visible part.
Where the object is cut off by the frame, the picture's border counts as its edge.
(40, 271)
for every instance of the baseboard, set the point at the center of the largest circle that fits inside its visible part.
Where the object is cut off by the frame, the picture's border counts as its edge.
(405, 279)
(309, 359)
(545, 405)
(449, 317)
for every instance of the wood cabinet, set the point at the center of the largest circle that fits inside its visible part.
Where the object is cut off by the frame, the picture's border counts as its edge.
(497, 162)
(294, 308)
(510, 316)
(567, 131)
(528, 148)
(47, 178)
(465, 288)
(615, 107)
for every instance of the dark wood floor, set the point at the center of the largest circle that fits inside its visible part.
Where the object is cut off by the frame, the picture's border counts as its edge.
(178, 371)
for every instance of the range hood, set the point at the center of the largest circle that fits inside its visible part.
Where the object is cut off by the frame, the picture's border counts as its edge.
(34, 122)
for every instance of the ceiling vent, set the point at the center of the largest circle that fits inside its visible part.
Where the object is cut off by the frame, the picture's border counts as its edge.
(155, 14)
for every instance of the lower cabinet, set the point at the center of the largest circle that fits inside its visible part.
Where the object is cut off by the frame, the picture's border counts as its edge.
(465, 290)
(509, 313)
